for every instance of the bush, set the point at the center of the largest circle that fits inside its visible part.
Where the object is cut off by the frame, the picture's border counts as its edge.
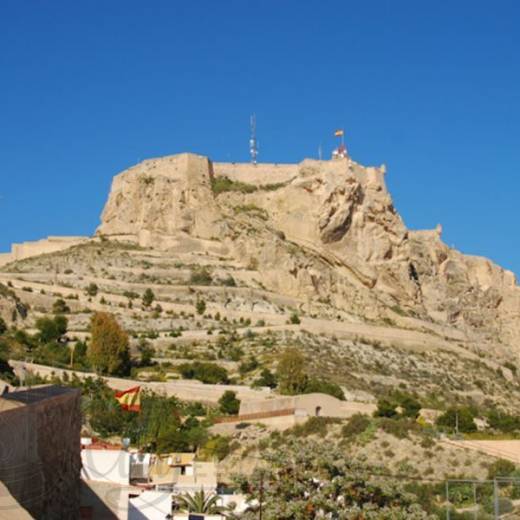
(50, 329)
(209, 373)
(399, 429)
(356, 425)
(3, 326)
(228, 403)
(500, 468)
(295, 319)
(60, 307)
(461, 417)
(313, 426)
(385, 408)
(223, 184)
(324, 386)
(148, 297)
(200, 307)
(267, 378)
(200, 277)
(92, 289)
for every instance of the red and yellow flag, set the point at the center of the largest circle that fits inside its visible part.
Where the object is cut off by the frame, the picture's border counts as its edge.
(338, 133)
(130, 399)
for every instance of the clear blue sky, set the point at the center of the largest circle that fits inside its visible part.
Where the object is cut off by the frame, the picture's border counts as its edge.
(432, 89)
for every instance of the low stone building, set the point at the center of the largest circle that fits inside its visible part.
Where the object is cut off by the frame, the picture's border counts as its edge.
(40, 450)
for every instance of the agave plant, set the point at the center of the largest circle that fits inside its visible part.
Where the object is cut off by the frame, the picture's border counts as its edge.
(199, 502)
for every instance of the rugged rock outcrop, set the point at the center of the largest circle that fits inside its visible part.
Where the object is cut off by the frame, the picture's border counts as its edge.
(325, 231)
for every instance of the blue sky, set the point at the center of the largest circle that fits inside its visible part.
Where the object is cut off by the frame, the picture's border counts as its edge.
(88, 88)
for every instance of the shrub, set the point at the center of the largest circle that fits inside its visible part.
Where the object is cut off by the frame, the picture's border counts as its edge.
(148, 297)
(500, 468)
(356, 425)
(200, 307)
(399, 429)
(312, 426)
(209, 373)
(295, 319)
(200, 277)
(267, 378)
(3, 326)
(228, 403)
(223, 184)
(458, 417)
(324, 387)
(60, 307)
(51, 329)
(92, 289)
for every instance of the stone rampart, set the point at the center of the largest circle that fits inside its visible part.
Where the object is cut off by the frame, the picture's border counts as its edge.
(263, 173)
(43, 246)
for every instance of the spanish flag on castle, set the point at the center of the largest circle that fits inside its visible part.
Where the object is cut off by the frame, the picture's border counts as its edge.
(339, 133)
(130, 399)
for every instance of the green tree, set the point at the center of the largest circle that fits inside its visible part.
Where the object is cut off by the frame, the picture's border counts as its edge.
(228, 403)
(51, 329)
(148, 297)
(290, 372)
(108, 351)
(458, 418)
(147, 352)
(267, 378)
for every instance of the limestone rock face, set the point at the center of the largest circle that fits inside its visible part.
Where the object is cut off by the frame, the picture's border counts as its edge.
(324, 231)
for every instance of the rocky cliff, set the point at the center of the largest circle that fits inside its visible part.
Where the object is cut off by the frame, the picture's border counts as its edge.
(324, 231)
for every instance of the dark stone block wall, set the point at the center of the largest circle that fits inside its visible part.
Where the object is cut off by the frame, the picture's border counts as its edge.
(40, 459)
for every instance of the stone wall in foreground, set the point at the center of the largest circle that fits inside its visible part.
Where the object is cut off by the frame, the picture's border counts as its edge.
(40, 450)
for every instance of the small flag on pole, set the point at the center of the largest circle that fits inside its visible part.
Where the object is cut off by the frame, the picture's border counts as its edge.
(130, 399)
(338, 133)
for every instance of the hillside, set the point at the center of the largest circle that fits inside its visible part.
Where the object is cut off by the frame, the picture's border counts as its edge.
(312, 255)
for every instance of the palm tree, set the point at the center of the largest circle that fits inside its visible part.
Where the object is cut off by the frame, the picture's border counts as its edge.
(199, 502)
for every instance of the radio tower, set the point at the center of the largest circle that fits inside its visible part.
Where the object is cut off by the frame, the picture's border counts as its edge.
(253, 148)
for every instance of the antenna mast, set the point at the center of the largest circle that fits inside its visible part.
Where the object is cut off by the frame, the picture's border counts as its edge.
(253, 147)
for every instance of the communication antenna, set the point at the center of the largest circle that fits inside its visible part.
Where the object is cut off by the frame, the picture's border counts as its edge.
(253, 146)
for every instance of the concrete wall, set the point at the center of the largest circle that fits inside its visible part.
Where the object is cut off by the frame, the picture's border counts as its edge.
(106, 465)
(186, 390)
(39, 449)
(307, 405)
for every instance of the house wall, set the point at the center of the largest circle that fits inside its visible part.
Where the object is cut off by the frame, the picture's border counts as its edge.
(39, 450)
(150, 505)
(106, 466)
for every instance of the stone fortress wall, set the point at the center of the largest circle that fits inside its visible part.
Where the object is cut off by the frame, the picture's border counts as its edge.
(39, 247)
(40, 449)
